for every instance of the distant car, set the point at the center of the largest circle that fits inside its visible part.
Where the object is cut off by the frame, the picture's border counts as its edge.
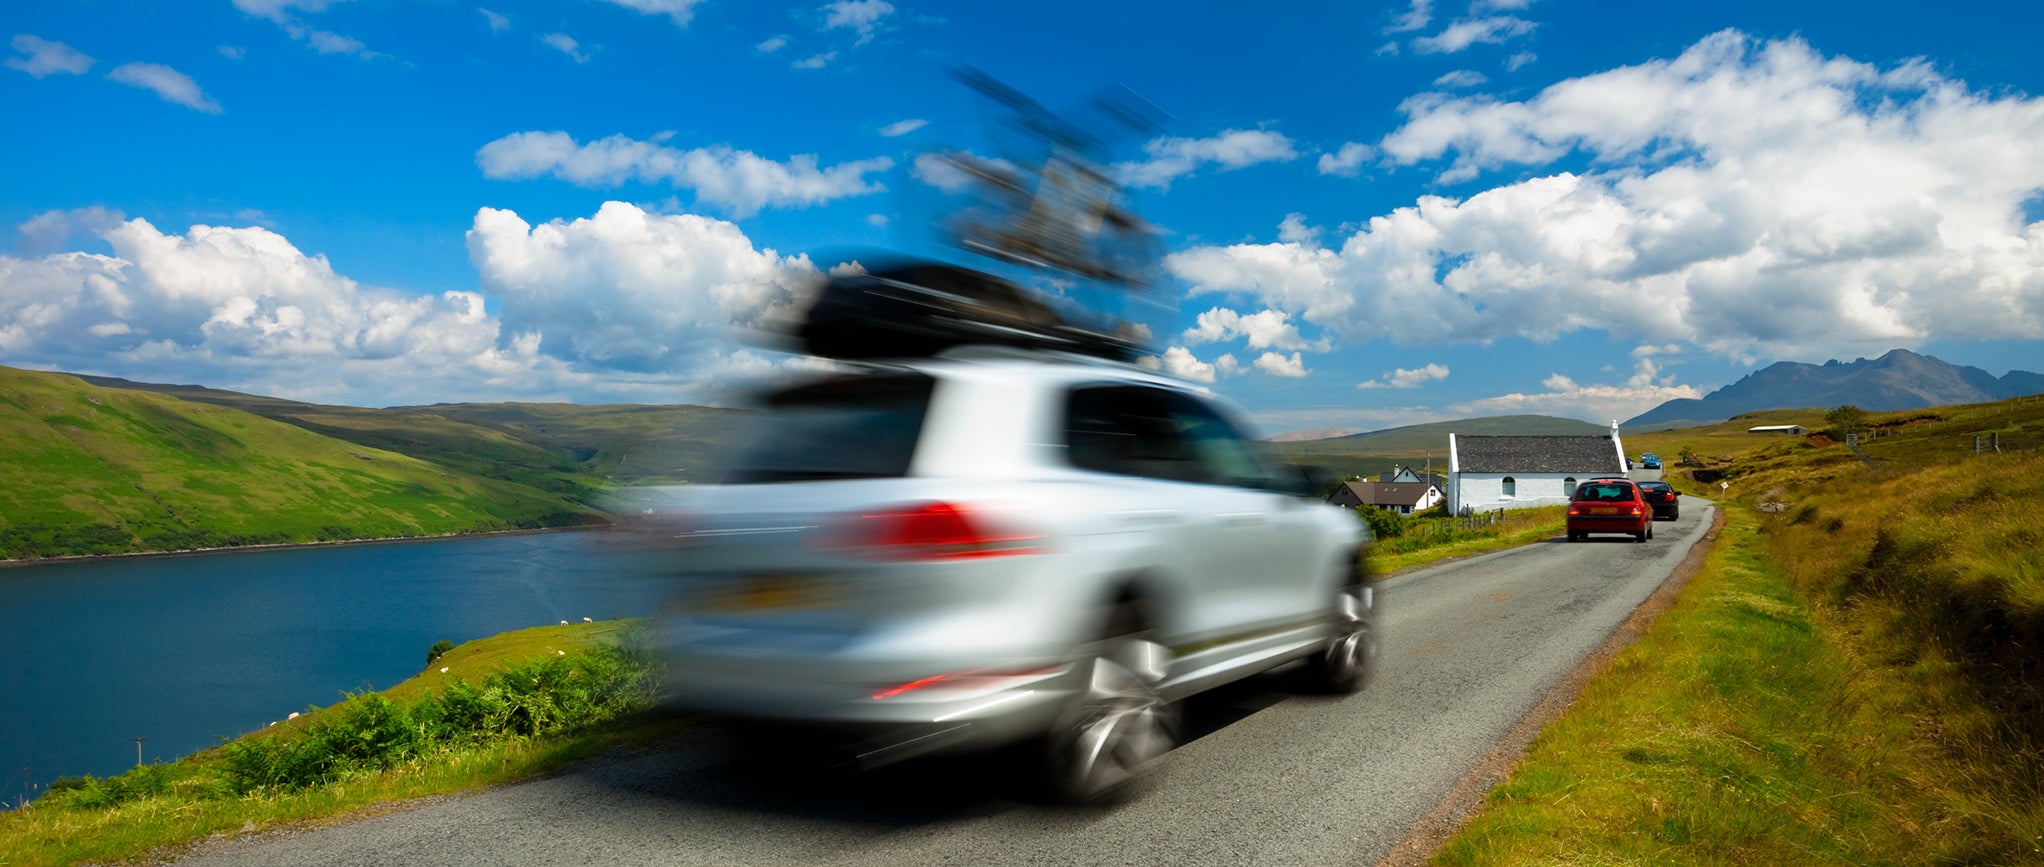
(1650, 461)
(1662, 496)
(1609, 506)
(993, 546)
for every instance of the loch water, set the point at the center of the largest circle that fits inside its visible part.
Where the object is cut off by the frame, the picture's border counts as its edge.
(187, 650)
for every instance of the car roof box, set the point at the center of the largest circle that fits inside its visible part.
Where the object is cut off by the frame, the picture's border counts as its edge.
(920, 309)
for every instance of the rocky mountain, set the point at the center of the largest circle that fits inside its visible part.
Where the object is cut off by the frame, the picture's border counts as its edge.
(1899, 380)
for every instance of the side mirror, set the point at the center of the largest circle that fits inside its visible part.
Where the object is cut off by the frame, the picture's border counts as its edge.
(1315, 481)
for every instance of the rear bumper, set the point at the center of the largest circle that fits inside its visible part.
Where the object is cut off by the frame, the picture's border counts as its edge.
(1615, 524)
(874, 715)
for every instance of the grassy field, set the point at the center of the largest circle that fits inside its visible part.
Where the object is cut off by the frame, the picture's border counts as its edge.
(94, 470)
(580, 688)
(1852, 679)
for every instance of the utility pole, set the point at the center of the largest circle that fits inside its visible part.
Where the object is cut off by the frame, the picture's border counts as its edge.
(138, 750)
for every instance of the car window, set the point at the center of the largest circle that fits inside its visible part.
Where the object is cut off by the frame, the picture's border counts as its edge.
(1604, 491)
(852, 427)
(1158, 433)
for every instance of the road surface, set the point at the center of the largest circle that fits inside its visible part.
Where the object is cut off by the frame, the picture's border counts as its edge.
(1270, 775)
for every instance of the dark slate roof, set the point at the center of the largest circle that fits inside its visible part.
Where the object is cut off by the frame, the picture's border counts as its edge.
(1384, 493)
(1537, 454)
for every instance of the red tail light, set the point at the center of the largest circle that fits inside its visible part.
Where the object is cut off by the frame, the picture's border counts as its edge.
(926, 531)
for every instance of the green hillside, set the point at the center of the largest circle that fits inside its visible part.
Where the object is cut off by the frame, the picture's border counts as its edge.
(1367, 454)
(554, 446)
(625, 443)
(93, 470)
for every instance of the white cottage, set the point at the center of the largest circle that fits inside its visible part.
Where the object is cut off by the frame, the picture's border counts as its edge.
(1516, 472)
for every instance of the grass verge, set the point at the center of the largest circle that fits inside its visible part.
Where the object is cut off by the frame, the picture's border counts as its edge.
(1420, 544)
(533, 701)
(1743, 728)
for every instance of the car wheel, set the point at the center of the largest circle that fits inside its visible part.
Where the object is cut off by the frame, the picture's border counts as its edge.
(1117, 724)
(1347, 662)
(1650, 531)
(1640, 536)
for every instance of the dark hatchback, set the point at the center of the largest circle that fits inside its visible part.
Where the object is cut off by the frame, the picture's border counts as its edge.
(1609, 506)
(1662, 496)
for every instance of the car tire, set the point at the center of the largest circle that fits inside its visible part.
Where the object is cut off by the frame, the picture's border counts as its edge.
(1118, 722)
(1348, 661)
(1641, 536)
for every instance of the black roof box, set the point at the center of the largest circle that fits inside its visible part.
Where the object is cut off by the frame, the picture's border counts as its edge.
(919, 309)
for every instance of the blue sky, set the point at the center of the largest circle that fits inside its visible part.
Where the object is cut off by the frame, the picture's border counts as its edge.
(1374, 214)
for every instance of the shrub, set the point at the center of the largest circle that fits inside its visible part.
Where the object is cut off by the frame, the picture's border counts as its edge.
(1384, 524)
(370, 732)
(439, 649)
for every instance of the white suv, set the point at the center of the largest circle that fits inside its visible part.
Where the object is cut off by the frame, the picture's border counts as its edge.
(992, 547)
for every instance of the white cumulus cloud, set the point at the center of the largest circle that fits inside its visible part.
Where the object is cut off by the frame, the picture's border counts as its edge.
(630, 289)
(622, 305)
(1416, 16)
(1462, 34)
(678, 11)
(1568, 398)
(861, 16)
(1346, 161)
(1267, 329)
(1404, 378)
(1746, 198)
(1288, 366)
(1172, 158)
(740, 181)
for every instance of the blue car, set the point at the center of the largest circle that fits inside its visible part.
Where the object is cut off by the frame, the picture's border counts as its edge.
(1650, 461)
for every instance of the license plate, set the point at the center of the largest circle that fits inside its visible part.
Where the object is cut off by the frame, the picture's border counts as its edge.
(773, 593)
(1603, 510)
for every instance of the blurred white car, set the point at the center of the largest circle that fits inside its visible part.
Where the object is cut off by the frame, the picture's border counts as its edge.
(998, 546)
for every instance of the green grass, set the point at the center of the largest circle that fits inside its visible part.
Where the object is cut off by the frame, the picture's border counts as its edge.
(159, 809)
(1732, 733)
(1853, 678)
(1422, 543)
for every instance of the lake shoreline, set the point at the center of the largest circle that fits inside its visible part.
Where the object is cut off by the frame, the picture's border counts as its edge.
(288, 546)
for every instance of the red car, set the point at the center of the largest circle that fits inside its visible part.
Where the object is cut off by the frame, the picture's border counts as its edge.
(1609, 506)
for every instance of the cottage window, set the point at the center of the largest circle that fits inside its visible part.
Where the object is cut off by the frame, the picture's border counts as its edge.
(1568, 486)
(1511, 486)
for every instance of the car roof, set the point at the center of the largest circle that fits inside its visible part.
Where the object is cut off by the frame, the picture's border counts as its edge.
(1044, 365)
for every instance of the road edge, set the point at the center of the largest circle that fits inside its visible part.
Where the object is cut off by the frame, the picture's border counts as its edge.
(1465, 799)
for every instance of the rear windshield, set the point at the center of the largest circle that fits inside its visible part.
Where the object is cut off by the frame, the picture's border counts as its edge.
(1607, 491)
(852, 427)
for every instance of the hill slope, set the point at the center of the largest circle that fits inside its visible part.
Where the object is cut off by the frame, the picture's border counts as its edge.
(568, 448)
(1367, 454)
(1898, 380)
(94, 470)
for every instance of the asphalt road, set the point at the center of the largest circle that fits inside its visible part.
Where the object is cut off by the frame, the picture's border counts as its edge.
(1269, 776)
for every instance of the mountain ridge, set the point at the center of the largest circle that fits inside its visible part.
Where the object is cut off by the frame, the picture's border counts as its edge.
(1897, 380)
